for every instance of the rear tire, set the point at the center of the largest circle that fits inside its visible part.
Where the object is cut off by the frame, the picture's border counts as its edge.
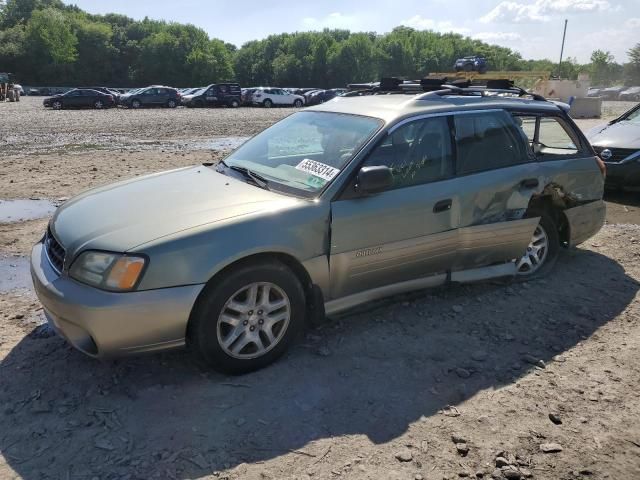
(235, 331)
(297, 103)
(136, 104)
(234, 104)
(542, 253)
(98, 105)
(172, 103)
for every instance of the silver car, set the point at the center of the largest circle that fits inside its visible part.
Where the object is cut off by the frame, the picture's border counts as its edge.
(618, 144)
(332, 207)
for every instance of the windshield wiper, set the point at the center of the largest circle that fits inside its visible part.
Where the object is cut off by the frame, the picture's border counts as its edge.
(258, 179)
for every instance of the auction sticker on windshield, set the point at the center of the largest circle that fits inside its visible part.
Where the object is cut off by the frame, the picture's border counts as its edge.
(318, 169)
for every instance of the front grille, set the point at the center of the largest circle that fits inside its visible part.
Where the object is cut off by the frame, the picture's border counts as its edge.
(55, 251)
(619, 154)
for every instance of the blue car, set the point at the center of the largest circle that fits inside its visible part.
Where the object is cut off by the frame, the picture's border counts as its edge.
(473, 63)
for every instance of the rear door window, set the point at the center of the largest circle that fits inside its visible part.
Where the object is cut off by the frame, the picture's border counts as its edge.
(487, 141)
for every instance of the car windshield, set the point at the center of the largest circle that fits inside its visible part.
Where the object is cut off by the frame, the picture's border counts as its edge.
(303, 153)
(633, 117)
(198, 91)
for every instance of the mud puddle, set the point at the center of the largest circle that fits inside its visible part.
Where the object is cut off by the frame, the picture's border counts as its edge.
(20, 210)
(69, 145)
(14, 274)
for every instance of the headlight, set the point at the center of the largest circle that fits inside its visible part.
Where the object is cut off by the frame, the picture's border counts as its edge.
(109, 271)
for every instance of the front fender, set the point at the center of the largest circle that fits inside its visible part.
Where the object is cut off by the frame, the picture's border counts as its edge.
(194, 256)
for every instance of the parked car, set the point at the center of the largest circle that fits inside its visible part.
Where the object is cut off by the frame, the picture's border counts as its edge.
(33, 92)
(79, 98)
(269, 97)
(329, 208)
(473, 63)
(19, 88)
(611, 93)
(154, 96)
(594, 91)
(246, 96)
(630, 94)
(320, 96)
(618, 144)
(215, 95)
(108, 91)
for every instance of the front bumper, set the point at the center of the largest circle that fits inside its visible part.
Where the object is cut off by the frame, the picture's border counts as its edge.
(106, 324)
(623, 174)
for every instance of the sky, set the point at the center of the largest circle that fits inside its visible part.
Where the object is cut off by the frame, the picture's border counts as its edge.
(531, 27)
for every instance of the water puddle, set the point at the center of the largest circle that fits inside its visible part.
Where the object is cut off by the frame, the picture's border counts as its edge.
(19, 210)
(224, 143)
(14, 274)
(78, 144)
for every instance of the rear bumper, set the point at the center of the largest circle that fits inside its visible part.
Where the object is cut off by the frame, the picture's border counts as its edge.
(585, 221)
(106, 324)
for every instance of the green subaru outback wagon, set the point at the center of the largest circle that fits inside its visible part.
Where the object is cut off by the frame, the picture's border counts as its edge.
(334, 206)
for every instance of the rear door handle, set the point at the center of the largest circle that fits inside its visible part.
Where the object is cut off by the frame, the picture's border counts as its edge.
(442, 206)
(529, 183)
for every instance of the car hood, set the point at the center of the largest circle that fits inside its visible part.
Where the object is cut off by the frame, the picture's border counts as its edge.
(124, 215)
(619, 135)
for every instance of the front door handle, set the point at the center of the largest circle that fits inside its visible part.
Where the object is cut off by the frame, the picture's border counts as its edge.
(529, 183)
(442, 206)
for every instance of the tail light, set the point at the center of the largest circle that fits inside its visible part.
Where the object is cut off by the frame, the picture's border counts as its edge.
(601, 166)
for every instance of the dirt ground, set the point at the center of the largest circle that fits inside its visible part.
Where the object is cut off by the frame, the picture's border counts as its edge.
(475, 381)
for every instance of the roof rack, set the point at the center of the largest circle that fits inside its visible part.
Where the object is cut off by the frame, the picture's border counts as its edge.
(431, 88)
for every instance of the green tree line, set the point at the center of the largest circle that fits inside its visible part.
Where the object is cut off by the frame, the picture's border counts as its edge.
(49, 43)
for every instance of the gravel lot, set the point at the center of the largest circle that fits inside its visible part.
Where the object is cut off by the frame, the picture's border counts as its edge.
(536, 379)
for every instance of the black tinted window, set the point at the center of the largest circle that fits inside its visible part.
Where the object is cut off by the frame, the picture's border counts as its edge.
(487, 141)
(417, 152)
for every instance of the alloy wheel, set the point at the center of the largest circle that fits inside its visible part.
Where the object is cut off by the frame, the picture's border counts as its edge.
(253, 320)
(536, 253)
(57, 105)
(98, 104)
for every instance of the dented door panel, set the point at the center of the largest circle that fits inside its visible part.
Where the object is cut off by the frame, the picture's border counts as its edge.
(392, 236)
(491, 243)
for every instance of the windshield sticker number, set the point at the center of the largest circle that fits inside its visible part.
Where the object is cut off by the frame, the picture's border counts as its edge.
(318, 169)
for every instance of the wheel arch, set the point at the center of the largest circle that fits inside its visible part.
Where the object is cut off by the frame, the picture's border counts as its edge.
(313, 294)
(552, 202)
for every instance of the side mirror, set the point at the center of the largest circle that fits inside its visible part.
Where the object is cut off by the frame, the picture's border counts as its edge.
(374, 179)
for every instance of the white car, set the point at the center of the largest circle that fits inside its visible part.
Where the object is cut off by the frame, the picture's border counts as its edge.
(269, 97)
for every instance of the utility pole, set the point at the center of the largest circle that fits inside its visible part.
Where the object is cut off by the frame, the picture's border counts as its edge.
(564, 34)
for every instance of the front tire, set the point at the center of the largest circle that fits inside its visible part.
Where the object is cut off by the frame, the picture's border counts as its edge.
(267, 103)
(136, 104)
(543, 250)
(57, 105)
(297, 103)
(98, 105)
(247, 318)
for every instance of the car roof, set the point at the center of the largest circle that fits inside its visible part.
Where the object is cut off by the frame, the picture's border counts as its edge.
(394, 107)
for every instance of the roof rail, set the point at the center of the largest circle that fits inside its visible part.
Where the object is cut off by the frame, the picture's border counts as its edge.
(430, 88)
